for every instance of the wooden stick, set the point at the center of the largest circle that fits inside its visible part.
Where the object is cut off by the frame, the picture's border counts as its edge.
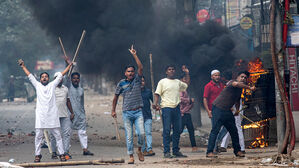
(70, 163)
(116, 128)
(62, 47)
(152, 80)
(48, 141)
(243, 116)
(77, 50)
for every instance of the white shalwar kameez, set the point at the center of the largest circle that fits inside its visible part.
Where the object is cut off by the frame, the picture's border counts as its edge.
(46, 112)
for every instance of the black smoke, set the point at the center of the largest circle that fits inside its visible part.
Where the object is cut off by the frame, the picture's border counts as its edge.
(113, 25)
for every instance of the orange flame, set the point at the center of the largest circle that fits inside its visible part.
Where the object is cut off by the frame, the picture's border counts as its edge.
(256, 66)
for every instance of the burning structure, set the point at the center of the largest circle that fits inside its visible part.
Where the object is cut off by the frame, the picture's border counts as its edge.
(260, 105)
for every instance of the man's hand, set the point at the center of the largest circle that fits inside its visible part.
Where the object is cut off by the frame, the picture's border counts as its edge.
(156, 107)
(21, 62)
(67, 59)
(113, 114)
(210, 114)
(72, 116)
(236, 113)
(132, 50)
(253, 88)
(185, 69)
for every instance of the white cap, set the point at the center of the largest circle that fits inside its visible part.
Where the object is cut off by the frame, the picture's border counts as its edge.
(215, 71)
(56, 74)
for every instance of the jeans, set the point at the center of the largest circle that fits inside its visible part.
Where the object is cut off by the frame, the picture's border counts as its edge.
(223, 118)
(66, 131)
(130, 118)
(148, 135)
(171, 117)
(187, 121)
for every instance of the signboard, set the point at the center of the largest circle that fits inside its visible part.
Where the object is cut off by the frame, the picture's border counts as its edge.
(293, 33)
(202, 16)
(44, 65)
(233, 12)
(294, 90)
(246, 23)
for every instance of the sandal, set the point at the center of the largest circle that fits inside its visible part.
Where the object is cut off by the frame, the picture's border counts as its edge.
(62, 158)
(37, 158)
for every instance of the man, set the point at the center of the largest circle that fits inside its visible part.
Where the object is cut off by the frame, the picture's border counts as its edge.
(130, 88)
(46, 112)
(147, 96)
(63, 104)
(185, 107)
(222, 115)
(212, 91)
(226, 138)
(76, 97)
(169, 90)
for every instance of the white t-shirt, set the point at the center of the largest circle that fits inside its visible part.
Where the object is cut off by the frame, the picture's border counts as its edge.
(61, 96)
(46, 113)
(169, 90)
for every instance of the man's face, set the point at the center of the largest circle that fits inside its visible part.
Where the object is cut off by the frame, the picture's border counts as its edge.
(75, 80)
(130, 73)
(44, 79)
(142, 83)
(242, 78)
(170, 72)
(216, 77)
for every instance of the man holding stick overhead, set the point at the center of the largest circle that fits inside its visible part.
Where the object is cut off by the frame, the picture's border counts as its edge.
(222, 114)
(169, 89)
(130, 88)
(46, 112)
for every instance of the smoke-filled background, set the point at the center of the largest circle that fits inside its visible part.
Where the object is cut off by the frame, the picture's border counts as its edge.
(153, 26)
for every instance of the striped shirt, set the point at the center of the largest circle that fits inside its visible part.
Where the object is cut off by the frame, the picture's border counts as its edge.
(131, 92)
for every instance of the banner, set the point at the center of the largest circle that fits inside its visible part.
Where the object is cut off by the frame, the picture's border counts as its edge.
(292, 66)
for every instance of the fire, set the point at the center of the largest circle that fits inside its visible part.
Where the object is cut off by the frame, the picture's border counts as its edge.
(256, 66)
(259, 142)
(257, 124)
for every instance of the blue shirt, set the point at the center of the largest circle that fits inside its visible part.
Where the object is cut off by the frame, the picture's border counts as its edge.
(131, 92)
(147, 96)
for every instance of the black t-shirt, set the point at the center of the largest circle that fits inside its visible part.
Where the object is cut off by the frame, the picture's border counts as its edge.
(228, 97)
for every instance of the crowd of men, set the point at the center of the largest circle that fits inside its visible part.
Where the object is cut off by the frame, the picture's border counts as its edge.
(60, 110)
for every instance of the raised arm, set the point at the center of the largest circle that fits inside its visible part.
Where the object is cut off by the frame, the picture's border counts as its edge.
(242, 85)
(21, 63)
(138, 62)
(187, 76)
(114, 103)
(66, 69)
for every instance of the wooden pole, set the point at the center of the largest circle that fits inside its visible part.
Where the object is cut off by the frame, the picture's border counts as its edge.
(62, 47)
(72, 163)
(152, 80)
(77, 50)
(47, 140)
(116, 128)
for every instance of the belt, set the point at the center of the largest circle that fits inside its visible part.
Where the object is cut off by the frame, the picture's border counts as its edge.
(138, 108)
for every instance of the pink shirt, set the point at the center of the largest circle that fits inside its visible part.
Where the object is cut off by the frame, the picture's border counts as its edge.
(186, 103)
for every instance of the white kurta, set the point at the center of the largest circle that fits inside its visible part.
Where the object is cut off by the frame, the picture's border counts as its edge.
(46, 112)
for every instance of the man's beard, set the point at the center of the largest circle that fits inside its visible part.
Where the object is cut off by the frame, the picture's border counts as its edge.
(44, 83)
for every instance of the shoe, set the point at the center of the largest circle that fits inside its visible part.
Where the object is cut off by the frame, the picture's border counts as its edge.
(179, 155)
(54, 155)
(37, 158)
(67, 156)
(140, 156)
(240, 154)
(62, 158)
(87, 153)
(149, 153)
(131, 160)
(168, 155)
(243, 152)
(222, 149)
(211, 155)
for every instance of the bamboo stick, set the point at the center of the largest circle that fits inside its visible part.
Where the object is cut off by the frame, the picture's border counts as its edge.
(72, 163)
(116, 128)
(47, 140)
(77, 50)
(152, 80)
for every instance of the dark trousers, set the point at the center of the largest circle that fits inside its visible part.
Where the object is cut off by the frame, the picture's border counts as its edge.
(171, 116)
(187, 121)
(223, 118)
